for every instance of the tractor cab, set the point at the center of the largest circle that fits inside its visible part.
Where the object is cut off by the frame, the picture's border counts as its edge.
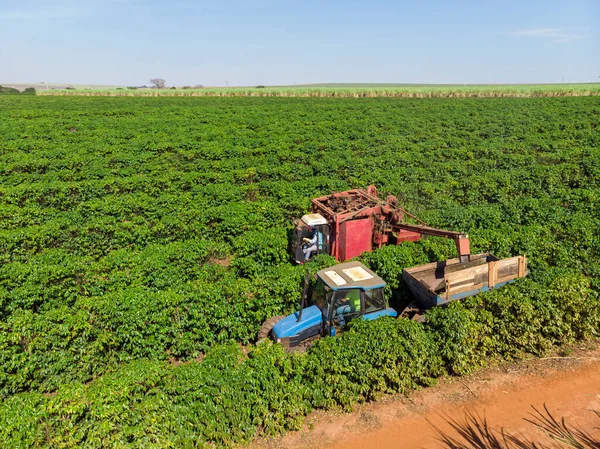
(303, 230)
(342, 293)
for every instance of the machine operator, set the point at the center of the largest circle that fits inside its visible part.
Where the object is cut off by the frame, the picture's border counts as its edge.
(310, 244)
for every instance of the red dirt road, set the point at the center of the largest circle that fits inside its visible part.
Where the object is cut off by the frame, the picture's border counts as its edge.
(569, 386)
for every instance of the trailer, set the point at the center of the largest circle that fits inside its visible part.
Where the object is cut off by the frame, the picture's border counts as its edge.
(436, 284)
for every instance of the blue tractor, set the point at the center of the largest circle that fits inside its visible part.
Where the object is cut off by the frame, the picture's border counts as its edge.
(342, 293)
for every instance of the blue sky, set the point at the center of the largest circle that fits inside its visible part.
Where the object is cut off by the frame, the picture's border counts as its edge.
(127, 42)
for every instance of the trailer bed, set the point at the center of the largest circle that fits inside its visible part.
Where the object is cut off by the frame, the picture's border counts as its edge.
(438, 283)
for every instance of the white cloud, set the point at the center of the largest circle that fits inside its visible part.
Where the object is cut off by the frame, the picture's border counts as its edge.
(559, 35)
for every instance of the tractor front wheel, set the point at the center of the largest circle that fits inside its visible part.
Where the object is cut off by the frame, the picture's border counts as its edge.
(267, 327)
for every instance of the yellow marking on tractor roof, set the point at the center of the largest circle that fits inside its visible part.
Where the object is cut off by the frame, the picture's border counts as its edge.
(336, 278)
(357, 274)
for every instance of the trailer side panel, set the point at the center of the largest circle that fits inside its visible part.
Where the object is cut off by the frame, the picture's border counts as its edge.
(439, 283)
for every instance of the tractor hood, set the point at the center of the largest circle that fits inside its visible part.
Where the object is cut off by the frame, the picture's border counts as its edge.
(290, 327)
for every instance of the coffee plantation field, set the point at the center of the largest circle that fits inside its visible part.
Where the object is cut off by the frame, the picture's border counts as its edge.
(144, 241)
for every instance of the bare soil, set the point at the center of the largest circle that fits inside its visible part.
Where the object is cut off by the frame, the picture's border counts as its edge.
(568, 384)
(222, 262)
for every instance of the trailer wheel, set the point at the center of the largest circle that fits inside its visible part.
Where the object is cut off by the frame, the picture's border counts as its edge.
(267, 327)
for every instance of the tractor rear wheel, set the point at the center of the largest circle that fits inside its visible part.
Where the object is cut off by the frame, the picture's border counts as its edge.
(267, 327)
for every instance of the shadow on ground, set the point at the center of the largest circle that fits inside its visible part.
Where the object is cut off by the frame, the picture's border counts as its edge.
(475, 433)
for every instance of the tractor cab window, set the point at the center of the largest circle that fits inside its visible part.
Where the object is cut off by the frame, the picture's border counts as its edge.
(323, 238)
(346, 306)
(374, 300)
(320, 295)
(301, 233)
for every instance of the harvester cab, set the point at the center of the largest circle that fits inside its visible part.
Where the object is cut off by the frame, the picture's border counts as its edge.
(342, 293)
(304, 230)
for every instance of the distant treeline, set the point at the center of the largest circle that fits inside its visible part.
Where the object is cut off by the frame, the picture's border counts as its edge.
(13, 91)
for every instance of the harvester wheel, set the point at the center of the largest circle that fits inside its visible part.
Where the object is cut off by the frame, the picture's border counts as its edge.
(267, 327)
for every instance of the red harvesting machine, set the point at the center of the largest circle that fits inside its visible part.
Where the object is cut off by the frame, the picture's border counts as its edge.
(352, 222)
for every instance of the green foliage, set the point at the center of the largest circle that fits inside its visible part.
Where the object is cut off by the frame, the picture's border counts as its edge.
(9, 91)
(138, 234)
(224, 399)
(459, 337)
(228, 400)
(389, 261)
(372, 358)
(257, 250)
(527, 318)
